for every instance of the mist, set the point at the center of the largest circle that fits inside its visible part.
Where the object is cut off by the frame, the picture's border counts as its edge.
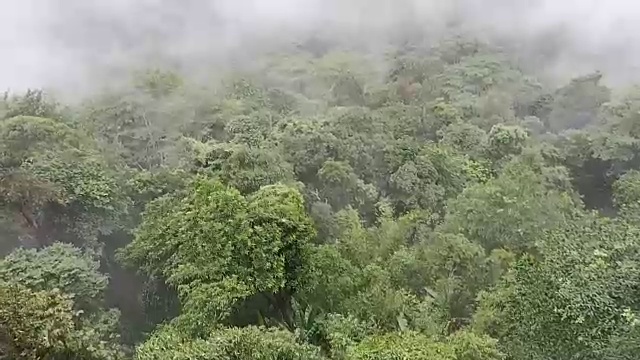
(319, 179)
(74, 46)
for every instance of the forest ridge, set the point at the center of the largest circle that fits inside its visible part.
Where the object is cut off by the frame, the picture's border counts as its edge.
(448, 205)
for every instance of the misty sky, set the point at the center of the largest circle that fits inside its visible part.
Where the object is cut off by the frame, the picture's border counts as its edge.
(58, 42)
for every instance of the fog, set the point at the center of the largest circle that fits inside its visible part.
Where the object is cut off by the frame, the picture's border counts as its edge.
(74, 45)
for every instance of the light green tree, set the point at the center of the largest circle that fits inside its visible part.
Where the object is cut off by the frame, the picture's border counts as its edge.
(218, 248)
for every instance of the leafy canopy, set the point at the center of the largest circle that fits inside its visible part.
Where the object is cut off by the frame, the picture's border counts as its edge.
(217, 247)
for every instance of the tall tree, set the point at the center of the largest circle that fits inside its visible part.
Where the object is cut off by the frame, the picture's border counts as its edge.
(218, 248)
(55, 182)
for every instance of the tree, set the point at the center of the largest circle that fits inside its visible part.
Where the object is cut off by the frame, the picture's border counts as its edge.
(573, 299)
(577, 104)
(464, 137)
(341, 187)
(425, 180)
(55, 182)
(509, 211)
(258, 246)
(59, 266)
(42, 325)
(232, 343)
(137, 126)
(33, 103)
(245, 168)
(505, 141)
(449, 270)
(626, 195)
(411, 345)
(34, 324)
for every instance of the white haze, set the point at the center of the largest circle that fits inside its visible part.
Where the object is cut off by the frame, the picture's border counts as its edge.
(75, 45)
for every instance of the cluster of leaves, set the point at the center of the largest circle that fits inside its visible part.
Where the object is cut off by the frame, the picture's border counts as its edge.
(52, 306)
(259, 245)
(443, 206)
(49, 174)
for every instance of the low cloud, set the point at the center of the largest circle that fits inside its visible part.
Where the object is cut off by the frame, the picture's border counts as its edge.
(77, 44)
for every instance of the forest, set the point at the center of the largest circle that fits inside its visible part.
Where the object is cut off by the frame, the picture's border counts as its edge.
(445, 202)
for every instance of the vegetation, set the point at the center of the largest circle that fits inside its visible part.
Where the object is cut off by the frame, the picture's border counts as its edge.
(448, 205)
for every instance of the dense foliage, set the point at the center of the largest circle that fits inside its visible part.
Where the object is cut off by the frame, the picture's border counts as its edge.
(447, 205)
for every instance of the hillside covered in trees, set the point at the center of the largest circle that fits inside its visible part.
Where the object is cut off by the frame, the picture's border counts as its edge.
(443, 203)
